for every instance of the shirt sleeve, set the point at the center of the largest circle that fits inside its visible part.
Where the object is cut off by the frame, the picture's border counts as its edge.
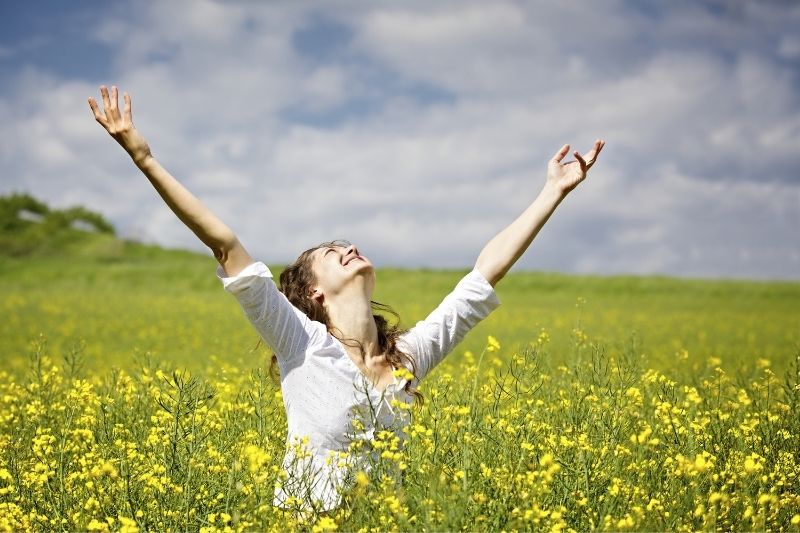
(285, 329)
(432, 339)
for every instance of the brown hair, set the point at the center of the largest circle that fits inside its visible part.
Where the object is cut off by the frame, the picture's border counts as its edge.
(296, 282)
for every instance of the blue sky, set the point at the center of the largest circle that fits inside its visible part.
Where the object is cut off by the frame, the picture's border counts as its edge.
(418, 130)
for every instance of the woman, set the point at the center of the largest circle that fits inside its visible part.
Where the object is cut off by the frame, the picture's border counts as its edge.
(344, 371)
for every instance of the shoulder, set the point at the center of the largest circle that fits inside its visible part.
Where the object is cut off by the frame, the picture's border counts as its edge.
(244, 277)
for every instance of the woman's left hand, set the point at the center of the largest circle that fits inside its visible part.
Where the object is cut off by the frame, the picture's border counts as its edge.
(567, 176)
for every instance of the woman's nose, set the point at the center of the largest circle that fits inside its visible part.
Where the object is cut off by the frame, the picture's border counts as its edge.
(352, 248)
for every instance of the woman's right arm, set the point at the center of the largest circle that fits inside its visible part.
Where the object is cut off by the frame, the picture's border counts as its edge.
(209, 229)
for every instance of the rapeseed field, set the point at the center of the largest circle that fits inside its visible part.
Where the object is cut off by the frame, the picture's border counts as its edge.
(501, 442)
(134, 396)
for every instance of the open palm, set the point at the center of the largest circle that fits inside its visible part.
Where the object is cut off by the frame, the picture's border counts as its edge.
(568, 175)
(120, 125)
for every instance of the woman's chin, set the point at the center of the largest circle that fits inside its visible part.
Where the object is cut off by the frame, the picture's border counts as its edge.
(358, 265)
(365, 271)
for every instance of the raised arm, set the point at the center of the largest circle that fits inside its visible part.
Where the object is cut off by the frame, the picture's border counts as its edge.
(209, 229)
(502, 251)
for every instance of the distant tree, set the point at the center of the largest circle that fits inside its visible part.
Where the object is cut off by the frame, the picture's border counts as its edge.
(19, 210)
(28, 225)
(91, 219)
(14, 207)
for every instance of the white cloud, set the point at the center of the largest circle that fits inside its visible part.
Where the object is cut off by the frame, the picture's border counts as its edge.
(698, 177)
(789, 47)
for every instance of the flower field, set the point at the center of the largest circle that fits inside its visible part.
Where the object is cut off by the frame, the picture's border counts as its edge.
(133, 397)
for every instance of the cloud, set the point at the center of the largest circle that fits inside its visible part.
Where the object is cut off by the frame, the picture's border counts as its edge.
(419, 130)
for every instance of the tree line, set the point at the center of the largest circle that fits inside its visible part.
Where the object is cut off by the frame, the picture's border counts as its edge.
(28, 225)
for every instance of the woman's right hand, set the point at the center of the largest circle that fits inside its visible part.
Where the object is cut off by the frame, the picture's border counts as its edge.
(120, 125)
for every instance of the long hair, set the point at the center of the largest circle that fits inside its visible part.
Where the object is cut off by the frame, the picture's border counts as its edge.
(296, 282)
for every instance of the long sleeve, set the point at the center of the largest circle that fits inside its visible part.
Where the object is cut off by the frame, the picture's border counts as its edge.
(284, 328)
(472, 300)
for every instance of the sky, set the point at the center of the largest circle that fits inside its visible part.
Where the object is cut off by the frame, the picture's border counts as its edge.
(418, 130)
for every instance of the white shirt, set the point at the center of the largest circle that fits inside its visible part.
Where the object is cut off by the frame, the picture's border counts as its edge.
(322, 387)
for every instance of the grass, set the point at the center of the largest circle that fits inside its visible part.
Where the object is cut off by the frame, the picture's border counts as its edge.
(122, 299)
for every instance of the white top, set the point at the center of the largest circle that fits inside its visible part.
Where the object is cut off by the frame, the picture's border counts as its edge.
(322, 387)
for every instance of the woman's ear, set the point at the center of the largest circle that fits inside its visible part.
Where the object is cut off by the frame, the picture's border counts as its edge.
(317, 295)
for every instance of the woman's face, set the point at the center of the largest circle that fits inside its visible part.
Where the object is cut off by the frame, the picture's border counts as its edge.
(338, 266)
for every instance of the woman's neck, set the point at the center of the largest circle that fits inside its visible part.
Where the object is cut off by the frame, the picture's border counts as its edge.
(352, 320)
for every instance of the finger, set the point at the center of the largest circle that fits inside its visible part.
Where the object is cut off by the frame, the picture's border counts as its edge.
(591, 157)
(97, 114)
(115, 102)
(128, 111)
(560, 154)
(592, 153)
(106, 100)
(580, 160)
(107, 107)
(600, 144)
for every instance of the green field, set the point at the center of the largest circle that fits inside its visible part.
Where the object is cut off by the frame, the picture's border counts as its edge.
(123, 299)
(133, 397)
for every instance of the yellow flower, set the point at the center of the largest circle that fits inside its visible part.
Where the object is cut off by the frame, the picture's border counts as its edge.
(752, 464)
(634, 394)
(362, 480)
(96, 525)
(626, 522)
(127, 525)
(699, 510)
(543, 337)
(743, 398)
(325, 523)
(716, 497)
(764, 499)
(700, 463)
(492, 345)
(642, 437)
(654, 504)
(393, 504)
(403, 373)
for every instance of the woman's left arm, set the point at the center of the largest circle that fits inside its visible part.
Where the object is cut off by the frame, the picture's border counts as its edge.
(502, 251)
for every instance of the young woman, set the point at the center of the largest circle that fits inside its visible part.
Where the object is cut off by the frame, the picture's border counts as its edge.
(339, 361)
